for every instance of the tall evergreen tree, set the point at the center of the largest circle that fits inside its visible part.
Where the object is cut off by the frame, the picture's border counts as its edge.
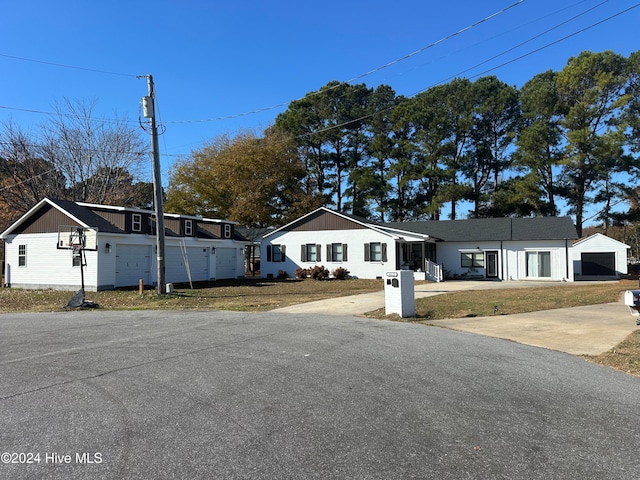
(540, 139)
(591, 88)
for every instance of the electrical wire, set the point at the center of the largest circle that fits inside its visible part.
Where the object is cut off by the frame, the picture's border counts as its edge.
(65, 66)
(566, 37)
(528, 40)
(68, 115)
(582, 30)
(29, 179)
(283, 104)
(370, 72)
(437, 42)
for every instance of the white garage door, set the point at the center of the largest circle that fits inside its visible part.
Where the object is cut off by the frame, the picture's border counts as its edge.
(178, 268)
(133, 263)
(226, 259)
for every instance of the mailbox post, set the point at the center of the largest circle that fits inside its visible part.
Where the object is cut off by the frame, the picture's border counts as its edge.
(399, 296)
(632, 300)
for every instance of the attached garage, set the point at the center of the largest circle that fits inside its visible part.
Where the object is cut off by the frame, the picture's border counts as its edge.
(186, 263)
(133, 263)
(226, 263)
(599, 257)
(599, 263)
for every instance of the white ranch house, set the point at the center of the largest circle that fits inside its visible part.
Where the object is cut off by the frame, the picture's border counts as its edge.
(538, 248)
(197, 249)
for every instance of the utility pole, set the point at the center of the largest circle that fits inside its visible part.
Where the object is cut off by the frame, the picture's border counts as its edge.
(148, 103)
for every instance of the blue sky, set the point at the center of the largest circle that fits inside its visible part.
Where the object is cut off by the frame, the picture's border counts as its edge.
(215, 61)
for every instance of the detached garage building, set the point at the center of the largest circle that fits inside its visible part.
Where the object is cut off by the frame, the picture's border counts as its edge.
(599, 257)
(122, 250)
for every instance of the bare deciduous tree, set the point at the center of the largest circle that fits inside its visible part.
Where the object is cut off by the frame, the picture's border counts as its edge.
(83, 148)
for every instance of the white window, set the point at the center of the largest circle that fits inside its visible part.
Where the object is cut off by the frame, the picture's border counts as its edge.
(375, 252)
(22, 255)
(539, 264)
(136, 222)
(188, 228)
(276, 253)
(227, 231)
(312, 253)
(76, 259)
(472, 259)
(338, 251)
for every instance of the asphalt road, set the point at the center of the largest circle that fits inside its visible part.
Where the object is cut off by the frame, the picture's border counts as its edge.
(224, 395)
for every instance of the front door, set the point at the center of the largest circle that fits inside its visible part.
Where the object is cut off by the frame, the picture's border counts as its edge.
(492, 264)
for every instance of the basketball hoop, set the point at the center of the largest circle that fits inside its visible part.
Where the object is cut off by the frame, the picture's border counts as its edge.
(78, 240)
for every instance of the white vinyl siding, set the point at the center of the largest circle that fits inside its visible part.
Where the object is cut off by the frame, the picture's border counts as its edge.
(353, 258)
(47, 266)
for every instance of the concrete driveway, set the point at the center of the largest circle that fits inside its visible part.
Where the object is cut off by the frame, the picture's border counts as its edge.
(587, 330)
(228, 395)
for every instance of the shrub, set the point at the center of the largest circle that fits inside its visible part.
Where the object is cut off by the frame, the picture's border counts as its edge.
(282, 274)
(302, 273)
(341, 273)
(319, 273)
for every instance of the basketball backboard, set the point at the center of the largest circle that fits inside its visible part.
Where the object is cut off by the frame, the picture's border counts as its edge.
(72, 237)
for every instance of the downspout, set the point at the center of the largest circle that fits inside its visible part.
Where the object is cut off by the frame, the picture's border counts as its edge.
(566, 256)
(501, 261)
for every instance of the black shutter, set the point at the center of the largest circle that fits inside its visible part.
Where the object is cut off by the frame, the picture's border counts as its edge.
(268, 253)
(344, 252)
(384, 252)
(318, 253)
(366, 252)
(303, 253)
(283, 253)
(329, 253)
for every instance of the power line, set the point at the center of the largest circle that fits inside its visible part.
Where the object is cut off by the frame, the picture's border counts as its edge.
(283, 104)
(69, 115)
(65, 65)
(29, 179)
(566, 37)
(525, 42)
(437, 42)
(364, 117)
(370, 72)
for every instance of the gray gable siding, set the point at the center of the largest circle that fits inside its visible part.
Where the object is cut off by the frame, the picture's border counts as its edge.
(48, 219)
(322, 220)
(493, 229)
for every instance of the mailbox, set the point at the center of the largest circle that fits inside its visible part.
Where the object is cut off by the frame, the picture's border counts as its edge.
(632, 300)
(399, 295)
